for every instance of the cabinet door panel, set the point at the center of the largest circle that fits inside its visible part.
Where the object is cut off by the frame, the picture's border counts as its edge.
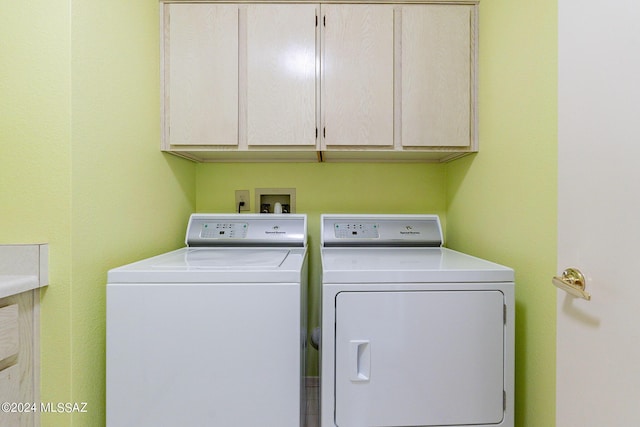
(201, 86)
(436, 75)
(357, 68)
(281, 74)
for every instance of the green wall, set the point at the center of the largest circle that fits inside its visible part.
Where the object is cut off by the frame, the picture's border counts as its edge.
(130, 201)
(501, 203)
(80, 168)
(35, 164)
(326, 188)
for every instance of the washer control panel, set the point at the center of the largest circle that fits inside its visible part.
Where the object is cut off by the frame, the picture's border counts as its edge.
(356, 230)
(247, 230)
(224, 230)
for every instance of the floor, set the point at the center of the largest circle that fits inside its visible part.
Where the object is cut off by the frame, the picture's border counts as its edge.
(313, 402)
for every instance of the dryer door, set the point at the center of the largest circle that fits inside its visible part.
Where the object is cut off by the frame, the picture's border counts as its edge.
(419, 358)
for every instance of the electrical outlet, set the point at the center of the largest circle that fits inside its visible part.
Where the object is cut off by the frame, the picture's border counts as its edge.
(242, 196)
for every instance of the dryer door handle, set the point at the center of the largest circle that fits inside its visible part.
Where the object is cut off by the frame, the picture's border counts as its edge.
(360, 360)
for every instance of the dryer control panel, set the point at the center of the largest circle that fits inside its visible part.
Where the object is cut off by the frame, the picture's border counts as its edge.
(381, 230)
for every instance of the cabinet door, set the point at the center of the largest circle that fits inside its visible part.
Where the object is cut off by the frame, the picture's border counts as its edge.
(437, 75)
(281, 74)
(421, 358)
(357, 75)
(19, 361)
(201, 74)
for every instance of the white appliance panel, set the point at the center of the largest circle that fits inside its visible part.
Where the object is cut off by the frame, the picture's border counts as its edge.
(182, 351)
(419, 358)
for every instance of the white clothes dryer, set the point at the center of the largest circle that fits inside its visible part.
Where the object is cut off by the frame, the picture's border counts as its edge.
(212, 334)
(413, 334)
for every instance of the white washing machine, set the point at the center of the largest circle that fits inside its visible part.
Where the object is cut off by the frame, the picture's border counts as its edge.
(413, 334)
(212, 334)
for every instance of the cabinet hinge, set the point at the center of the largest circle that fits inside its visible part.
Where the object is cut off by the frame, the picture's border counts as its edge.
(504, 400)
(316, 20)
(324, 21)
(504, 313)
(324, 132)
(316, 132)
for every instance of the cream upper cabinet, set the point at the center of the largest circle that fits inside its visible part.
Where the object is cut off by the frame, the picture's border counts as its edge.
(327, 81)
(398, 81)
(281, 74)
(436, 75)
(357, 75)
(240, 81)
(201, 74)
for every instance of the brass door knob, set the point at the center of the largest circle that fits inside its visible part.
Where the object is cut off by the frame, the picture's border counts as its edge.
(573, 282)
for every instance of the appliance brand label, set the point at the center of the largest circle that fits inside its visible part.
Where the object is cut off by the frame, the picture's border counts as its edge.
(409, 231)
(275, 230)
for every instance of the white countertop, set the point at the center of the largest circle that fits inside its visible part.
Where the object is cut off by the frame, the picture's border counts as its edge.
(23, 268)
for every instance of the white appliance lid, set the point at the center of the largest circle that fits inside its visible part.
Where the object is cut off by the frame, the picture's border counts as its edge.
(408, 265)
(215, 265)
(218, 258)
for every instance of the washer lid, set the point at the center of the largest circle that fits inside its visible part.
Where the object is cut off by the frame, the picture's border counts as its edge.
(215, 265)
(408, 265)
(221, 258)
